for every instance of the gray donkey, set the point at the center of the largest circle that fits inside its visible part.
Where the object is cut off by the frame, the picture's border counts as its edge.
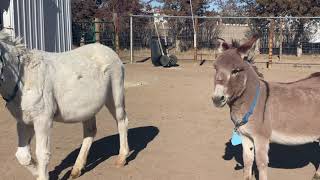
(264, 112)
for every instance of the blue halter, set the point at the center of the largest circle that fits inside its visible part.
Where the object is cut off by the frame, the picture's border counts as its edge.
(236, 138)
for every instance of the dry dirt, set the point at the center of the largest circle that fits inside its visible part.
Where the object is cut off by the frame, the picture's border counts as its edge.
(175, 133)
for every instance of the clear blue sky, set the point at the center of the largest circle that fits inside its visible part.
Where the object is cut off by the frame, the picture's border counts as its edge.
(154, 3)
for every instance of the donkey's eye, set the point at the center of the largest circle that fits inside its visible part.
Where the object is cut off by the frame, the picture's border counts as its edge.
(236, 71)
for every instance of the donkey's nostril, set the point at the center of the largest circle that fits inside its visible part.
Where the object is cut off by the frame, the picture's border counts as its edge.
(219, 101)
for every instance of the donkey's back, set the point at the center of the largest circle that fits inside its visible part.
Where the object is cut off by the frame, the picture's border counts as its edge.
(84, 80)
(293, 110)
(310, 81)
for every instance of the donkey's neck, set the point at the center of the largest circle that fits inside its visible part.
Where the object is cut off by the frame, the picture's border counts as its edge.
(242, 104)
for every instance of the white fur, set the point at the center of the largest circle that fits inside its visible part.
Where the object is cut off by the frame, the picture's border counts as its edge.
(219, 90)
(82, 157)
(89, 130)
(67, 87)
(23, 155)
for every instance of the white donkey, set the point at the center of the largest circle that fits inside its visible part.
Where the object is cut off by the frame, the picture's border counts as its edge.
(42, 87)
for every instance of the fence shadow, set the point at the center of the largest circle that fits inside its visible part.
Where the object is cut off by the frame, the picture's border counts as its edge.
(106, 147)
(280, 156)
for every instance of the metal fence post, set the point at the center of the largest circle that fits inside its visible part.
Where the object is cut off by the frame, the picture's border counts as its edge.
(281, 38)
(131, 40)
(97, 29)
(195, 39)
(228, 28)
(271, 33)
(116, 25)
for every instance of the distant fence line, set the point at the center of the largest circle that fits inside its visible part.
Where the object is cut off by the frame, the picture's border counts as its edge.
(278, 35)
(231, 17)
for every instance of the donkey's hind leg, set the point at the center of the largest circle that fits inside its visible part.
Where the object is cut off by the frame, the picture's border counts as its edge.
(124, 147)
(316, 175)
(89, 132)
(118, 112)
(116, 104)
(23, 154)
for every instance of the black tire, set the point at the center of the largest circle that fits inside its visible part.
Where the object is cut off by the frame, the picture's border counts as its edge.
(173, 60)
(165, 61)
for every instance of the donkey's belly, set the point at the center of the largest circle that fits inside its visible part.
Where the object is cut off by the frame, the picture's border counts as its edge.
(291, 139)
(81, 103)
(78, 114)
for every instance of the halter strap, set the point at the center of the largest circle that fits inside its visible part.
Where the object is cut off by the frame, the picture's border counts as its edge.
(245, 118)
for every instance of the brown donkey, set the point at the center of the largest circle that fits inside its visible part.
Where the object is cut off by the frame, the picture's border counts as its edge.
(264, 112)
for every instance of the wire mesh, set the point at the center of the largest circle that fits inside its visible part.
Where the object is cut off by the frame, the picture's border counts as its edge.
(287, 36)
(85, 32)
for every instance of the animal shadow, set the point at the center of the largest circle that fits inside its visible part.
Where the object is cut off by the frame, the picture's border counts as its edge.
(104, 148)
(280, 156)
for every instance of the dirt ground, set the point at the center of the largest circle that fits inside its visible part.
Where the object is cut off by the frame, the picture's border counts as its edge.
(175, 133)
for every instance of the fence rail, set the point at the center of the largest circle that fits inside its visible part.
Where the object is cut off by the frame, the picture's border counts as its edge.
(85, 32)
(232, 17)
(278, 35)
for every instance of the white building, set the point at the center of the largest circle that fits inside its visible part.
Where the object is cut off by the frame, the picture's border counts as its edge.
(43, 24)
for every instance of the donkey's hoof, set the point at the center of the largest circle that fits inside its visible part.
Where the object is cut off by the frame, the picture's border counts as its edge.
(120, 162)
(75, 173)
(316, 177)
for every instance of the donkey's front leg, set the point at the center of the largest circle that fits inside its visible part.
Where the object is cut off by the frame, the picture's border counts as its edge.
(261, 151)
(23, 154)
(248, 157)
(42, 127)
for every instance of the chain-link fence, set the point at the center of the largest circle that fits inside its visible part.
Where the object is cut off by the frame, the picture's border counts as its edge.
(87, 32)
(279, 37)
(284, 36)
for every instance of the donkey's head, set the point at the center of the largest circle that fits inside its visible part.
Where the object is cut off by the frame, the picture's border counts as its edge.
(231, 72)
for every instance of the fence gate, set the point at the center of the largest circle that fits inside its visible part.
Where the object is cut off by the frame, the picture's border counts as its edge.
(278, 35)
(93, 31)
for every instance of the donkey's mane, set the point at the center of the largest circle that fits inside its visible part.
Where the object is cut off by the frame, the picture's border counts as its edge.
(16, 42)
(235, 43)
(316, 74)
(311, 76)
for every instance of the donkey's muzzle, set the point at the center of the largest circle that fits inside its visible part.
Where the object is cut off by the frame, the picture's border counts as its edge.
(219, 101)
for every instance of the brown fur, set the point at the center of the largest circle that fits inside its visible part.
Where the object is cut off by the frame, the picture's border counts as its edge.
(234, 45)
(286, 113)
(313, 76)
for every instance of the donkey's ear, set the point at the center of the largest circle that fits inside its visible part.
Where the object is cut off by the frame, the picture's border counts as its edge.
(225, 46)
(242, 50)
(222, 44)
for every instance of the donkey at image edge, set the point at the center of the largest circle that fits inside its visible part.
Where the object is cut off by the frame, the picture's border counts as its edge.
(34, 85)
(265, 112)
